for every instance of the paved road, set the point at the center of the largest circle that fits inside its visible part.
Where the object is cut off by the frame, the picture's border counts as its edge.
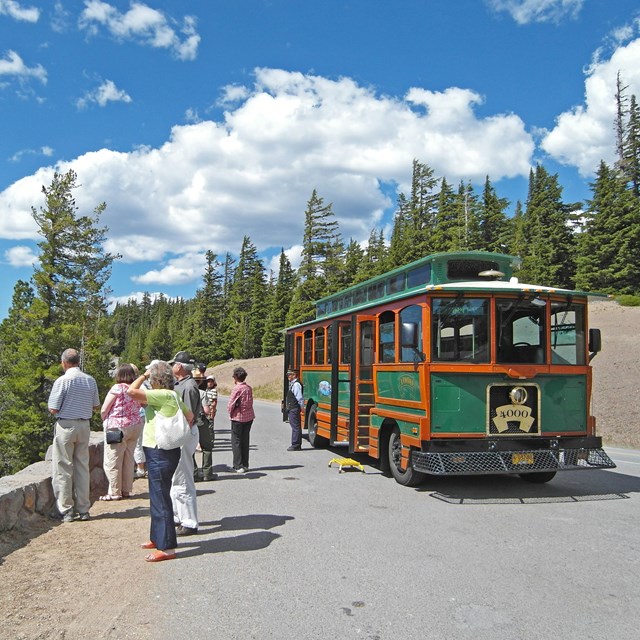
(296, 550)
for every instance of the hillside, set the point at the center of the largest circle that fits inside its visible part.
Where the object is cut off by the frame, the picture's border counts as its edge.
(616, 373)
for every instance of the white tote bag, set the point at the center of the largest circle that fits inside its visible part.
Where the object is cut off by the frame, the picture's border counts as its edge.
(172, 432)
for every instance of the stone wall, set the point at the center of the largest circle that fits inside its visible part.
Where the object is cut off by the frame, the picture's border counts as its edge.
(28, 494)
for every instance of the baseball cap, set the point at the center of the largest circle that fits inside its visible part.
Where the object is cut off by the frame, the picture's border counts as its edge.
(182, 357)
(147, 367)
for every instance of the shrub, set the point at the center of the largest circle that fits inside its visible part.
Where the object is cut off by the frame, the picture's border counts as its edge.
(628, 300)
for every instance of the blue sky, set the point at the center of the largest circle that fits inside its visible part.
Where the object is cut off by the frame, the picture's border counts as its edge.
(199, 122)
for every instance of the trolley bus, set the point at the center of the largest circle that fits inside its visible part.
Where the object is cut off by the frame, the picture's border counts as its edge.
(450, 366)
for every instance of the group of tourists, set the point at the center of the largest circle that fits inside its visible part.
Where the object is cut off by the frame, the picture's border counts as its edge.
(131, 413)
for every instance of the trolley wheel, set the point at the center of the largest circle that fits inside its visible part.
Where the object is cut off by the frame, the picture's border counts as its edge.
(316, 441)
(538, 478)
(409, 477)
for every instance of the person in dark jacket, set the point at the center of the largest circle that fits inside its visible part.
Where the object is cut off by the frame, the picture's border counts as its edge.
(294, 404)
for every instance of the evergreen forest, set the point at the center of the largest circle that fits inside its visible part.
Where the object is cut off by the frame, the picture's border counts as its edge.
(240, 309)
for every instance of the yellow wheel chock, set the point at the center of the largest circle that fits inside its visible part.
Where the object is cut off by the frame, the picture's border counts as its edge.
(346, 462)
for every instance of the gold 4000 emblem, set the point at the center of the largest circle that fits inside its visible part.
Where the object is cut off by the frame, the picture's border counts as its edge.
(516, 412)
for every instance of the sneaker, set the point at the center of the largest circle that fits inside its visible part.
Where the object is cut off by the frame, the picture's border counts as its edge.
(139, 473)
(181, 530)
(68, 517)
(83, 517)
(294, 448)
(210, 477)
(54, 514)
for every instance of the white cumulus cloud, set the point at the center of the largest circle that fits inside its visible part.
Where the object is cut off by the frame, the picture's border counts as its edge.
(252, 171)
(142, 24)
(584, 135)
(181, 270)
(528, 11)
(44, 151)
(14, 65)
(102, 95)
(16, 11)
(20, 256)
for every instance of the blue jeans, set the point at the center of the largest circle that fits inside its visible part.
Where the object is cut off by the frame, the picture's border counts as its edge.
(161, 465)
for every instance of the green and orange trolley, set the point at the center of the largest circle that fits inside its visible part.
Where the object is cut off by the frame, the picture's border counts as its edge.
(450, 366)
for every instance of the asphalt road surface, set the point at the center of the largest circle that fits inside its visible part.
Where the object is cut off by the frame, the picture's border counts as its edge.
(294, 549)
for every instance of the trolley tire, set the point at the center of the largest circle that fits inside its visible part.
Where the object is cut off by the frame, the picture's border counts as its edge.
(316, 441)
(409, 477)
(538, 478)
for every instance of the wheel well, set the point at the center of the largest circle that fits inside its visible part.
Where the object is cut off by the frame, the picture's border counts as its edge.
(387, 426)
(309, 406)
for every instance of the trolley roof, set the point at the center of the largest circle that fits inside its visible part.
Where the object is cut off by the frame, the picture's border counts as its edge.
(463, 271)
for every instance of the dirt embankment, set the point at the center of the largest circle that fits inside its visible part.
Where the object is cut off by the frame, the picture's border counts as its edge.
(616, 373)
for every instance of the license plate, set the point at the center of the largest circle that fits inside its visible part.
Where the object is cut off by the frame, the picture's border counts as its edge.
(522, 458)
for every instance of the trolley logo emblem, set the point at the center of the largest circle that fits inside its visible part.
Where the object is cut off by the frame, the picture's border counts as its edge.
(324, 388)
(406, 387)
(516, 412)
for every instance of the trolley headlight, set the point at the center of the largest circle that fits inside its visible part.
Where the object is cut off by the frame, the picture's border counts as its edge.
(518, 395)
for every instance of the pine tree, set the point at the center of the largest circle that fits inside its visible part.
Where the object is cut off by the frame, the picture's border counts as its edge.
(279, 302)
(423, 212)
(550, 246)
(158, 343)
(493, 221)
(631, 152)
(515, 232)
(321, 241)
(374, 260)
(246, 309)
(609, 256)
(204, 323)
(620, 124)
(353, 258)
(415, 219)
(401, 235)
(65, 307)
(25, 428)
(72, 276)
(446, 226)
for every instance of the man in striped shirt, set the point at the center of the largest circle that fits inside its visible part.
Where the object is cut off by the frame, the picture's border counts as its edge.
(73, 399)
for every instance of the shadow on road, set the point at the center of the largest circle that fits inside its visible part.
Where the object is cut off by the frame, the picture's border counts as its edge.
(576, 486)
(243, 542)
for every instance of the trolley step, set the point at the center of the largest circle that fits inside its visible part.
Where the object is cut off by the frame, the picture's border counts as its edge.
(346, 462)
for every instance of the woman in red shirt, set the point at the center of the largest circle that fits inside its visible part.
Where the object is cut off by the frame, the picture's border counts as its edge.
(241, 413)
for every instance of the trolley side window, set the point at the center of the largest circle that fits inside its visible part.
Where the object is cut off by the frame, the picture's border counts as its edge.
(308, 347)
(411, 317)
(567, 334)
(345, 344)
(460, 329)
(319, 346)
(387, 330)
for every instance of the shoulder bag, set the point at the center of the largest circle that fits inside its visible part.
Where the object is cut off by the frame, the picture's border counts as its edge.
(172, 432)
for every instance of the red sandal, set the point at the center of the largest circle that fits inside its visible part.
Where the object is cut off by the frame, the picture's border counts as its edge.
(148, 545)
(159, 556)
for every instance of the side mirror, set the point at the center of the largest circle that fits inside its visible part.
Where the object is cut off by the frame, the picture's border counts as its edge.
(409, 335)
(595, 342)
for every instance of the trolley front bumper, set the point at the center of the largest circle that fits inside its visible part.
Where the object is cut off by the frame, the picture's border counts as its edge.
(511, 455)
